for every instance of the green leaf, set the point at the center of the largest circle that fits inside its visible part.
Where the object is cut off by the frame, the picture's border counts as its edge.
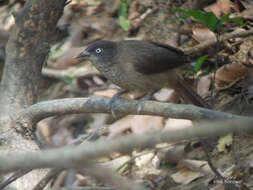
(225, 18)
(211, 21)
(175, 10)
(199, 63)
(237, 20)
(124, 23)
(123, 9)
(198, 15)
(206, 18)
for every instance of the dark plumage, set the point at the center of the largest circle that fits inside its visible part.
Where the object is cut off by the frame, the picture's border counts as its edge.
(137, 66)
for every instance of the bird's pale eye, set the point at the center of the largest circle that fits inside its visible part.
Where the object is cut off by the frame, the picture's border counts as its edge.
(98, 50)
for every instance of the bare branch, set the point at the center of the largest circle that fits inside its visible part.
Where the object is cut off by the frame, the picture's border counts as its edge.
(46, 109)
(72, 157)
(72, 72)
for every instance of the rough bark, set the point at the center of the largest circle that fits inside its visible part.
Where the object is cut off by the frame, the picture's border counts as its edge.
(27, 50)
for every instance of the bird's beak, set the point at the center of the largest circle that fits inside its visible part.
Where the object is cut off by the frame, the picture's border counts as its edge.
(83, 54)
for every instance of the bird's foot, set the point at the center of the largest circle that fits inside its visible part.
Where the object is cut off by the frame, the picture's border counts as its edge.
(113, 100)
(144, 99)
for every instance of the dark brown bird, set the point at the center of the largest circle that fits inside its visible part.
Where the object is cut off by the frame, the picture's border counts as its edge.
(141, 67)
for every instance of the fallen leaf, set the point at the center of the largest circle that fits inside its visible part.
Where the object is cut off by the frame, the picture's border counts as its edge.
(219, 7)
(138, 124)
(224, 6)
(201, 33)
(185, 176)
(43, 129)
(214, 8)
(142, 124)
(120, 126)
(228, 75)
(203, 85)
(175, 124)
(197, 166)
(166, 95)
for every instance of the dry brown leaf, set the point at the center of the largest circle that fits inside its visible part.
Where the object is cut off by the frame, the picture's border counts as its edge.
(175, 124)
(197, 165)
(214, 8)
(120, 126)
(204, 85)
(219, 8)
(139, 124)
(142, 124)
(166, 95)
(44, 130)
(224, 6)
(228, 75)
(202, 34)
(185, 176)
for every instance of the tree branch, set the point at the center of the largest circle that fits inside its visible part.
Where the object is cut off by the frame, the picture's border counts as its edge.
(46, 109)
(73, 157)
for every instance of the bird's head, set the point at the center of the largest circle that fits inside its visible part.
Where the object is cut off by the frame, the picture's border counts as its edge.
(99, 51)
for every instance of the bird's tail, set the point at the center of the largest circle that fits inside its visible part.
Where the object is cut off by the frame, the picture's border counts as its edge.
(189, 95)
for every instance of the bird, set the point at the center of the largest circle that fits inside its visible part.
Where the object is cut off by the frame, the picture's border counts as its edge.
(141, 67)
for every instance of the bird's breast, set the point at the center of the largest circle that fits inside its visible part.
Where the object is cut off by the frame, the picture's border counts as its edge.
(126, 77)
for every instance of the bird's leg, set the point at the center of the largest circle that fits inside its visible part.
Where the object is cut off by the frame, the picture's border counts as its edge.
(114, 99)
(141, 101)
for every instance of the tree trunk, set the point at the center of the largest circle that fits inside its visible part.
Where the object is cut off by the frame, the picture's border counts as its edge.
(27, 50)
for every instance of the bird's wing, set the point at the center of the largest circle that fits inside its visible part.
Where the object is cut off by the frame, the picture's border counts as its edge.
(156, 58)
